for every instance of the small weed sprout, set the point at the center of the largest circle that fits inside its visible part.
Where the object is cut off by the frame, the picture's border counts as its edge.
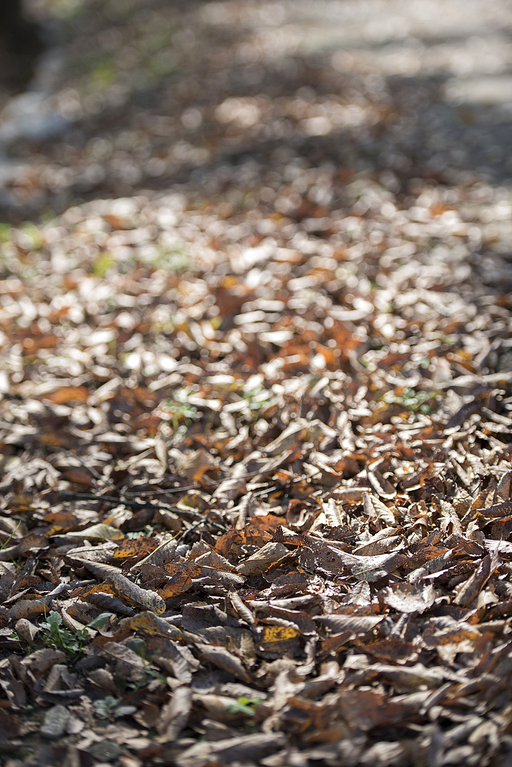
(55, 635)
(258, 398)
(244, 705)
(415, 401)
(104, 708)
(182, 413)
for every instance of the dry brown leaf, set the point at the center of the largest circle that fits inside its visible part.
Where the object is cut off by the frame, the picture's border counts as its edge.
(409, 598)
(101, 531)
(258, 562)
(126, 589)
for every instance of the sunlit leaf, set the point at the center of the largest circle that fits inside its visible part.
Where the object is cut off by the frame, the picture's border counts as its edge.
(101, 531)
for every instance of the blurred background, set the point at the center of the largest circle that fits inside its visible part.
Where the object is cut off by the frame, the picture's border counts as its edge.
(104, 98)
(274, 188)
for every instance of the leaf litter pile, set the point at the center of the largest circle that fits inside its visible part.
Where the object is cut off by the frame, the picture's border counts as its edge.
(256, 449)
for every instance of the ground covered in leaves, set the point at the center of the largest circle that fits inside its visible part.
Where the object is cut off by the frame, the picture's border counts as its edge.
(256, 415)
